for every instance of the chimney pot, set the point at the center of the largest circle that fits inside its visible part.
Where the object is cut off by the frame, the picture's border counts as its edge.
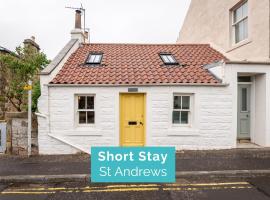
(78, 23)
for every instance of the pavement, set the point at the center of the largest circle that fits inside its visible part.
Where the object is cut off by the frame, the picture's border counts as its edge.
(219, 160)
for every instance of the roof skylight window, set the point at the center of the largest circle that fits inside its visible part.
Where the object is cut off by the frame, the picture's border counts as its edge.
(94, 58)
(168, 59)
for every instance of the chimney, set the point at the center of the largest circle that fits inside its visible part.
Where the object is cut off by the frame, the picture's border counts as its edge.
(77, 32)
(86, 35)
(78, 21)
(31, 43)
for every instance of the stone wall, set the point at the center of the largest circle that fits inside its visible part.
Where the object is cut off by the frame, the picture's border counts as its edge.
(17, 133)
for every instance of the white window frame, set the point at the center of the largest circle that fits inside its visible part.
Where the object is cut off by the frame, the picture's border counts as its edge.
(190, 110)
(234, 24)
(77, 110)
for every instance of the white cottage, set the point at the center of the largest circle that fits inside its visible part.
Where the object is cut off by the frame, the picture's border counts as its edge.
(184, 95)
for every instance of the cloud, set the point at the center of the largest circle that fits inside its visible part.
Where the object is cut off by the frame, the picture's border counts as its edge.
(124, 21)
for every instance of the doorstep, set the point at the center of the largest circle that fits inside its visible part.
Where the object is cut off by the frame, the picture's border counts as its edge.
(246, 144)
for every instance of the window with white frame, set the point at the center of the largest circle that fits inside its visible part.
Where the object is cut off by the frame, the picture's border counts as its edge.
(86, 109)
(240, 22)
(181, 109)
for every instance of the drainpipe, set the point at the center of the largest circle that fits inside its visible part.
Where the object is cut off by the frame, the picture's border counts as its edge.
(29, 128)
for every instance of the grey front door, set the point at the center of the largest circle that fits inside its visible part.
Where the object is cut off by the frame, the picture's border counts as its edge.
(243, 111)
(2, 137)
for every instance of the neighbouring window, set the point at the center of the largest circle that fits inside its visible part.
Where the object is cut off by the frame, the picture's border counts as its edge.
(244, 79)
(94, 58)
(240, 22)
(168, 59)
(181, 109)
(86, 109)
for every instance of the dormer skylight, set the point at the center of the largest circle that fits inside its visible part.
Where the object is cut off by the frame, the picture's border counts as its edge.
(168, 59)
(94, 58)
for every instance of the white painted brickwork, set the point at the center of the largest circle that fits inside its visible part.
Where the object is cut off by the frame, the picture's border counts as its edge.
(211, 126)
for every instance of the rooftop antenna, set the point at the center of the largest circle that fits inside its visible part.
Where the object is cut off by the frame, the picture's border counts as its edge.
(82, 9)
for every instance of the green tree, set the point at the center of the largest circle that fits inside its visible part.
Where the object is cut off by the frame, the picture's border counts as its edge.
(20, 67)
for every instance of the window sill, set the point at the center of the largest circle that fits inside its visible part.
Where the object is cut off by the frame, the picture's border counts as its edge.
(183, 131)
(239, 44)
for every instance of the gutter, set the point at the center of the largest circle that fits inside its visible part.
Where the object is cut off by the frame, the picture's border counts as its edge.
(137, 85)
(248, 62)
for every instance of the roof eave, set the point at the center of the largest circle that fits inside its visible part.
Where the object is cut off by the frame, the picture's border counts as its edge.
(138, 85)
(249, 62)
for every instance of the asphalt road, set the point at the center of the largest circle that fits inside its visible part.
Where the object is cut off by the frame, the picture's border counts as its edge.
(253, 189)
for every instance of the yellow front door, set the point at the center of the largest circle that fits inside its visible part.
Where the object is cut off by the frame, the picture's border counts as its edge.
(132, 119)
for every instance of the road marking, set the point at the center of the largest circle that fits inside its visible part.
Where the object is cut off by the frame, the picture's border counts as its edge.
(18, 192)
(88, 187)
(131, 187)
(123, 190)
(208, 184)
(207, 188)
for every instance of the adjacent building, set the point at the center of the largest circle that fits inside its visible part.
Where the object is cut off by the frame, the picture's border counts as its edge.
(239, 29)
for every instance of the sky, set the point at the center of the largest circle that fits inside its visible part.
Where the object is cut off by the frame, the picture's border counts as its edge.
(110, 21)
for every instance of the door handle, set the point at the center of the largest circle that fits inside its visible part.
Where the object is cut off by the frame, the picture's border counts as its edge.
(141, 123)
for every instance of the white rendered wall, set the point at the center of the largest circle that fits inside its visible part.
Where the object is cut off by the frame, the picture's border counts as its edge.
(212, 119)
(260, 97)
(260, 110)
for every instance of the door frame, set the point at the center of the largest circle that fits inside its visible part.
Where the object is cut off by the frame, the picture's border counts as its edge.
(250, 109)
(120, 116)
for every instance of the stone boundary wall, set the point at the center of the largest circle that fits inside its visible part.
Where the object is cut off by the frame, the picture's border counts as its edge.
(17, 133)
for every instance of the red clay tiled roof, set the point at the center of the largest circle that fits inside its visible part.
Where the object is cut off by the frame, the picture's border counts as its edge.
(139, 64)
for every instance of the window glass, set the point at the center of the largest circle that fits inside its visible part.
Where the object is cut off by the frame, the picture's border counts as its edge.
(238, 14)
(176, 117)
(245, 28)
(82, 117)
(185, 102)
(90, 117)
(177, 102)
(184, 117)
(81, 100)
(94, 58)
(168, 59)
(171, 59)
(97, 58)
(244, 99)
(90, 102)
(245, 9)
(244, 79)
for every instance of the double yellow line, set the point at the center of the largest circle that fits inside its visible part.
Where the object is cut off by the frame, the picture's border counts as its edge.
(129, 188)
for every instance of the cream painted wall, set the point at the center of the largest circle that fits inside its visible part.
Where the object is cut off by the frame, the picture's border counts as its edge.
(209, 21)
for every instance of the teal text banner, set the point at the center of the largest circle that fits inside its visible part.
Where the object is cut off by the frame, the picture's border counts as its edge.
(133, 164)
